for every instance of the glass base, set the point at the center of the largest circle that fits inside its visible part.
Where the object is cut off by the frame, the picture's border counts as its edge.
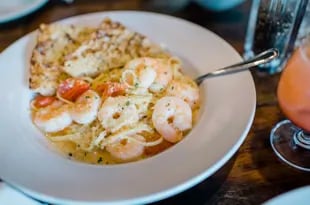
(291, 145)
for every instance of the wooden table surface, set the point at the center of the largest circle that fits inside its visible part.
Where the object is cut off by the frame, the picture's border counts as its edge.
(254, 174)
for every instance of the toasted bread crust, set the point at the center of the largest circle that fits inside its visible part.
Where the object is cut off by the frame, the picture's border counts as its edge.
(54, 42)
(63, 50)
(111, 46)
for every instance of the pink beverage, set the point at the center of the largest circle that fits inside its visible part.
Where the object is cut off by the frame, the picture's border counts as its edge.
(294, 88)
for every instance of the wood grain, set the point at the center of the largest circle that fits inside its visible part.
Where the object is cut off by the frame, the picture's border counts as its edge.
(254, 174)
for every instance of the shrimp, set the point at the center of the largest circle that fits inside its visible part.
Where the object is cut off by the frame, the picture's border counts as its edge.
(127, 149)
(152, 73)
(42, 101)
(85, 108)
(117, 112)
(185, 89)
(53, 118)
(172, 116)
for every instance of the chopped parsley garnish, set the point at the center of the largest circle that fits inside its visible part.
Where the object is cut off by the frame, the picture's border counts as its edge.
(87, 96)
(136, 85)
(127, 103)
(99, 160)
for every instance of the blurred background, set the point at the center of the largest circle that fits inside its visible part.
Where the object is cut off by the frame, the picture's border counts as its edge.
(232, 14)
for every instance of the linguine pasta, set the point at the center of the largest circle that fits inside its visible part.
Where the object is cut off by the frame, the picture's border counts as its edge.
(134, 109)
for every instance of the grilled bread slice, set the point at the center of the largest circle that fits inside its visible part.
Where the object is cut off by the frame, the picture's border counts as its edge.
(54, 42)
(111, 46)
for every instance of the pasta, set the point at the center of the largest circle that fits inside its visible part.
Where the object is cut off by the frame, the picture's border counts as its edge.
(135, 106)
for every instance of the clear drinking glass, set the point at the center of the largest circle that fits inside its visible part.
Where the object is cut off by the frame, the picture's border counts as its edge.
(290, 139)
(273, 24)
(305, 26)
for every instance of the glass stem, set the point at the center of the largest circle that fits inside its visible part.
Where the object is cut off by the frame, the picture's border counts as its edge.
(302, 139)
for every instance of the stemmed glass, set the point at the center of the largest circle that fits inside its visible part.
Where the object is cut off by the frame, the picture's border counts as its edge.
(290, 139)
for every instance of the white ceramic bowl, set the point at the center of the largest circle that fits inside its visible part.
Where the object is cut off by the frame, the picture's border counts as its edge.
(29, 163)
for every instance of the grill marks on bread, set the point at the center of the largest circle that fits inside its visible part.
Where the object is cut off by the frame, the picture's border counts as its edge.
(54, 42)
(77, 51)
(111, 46)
